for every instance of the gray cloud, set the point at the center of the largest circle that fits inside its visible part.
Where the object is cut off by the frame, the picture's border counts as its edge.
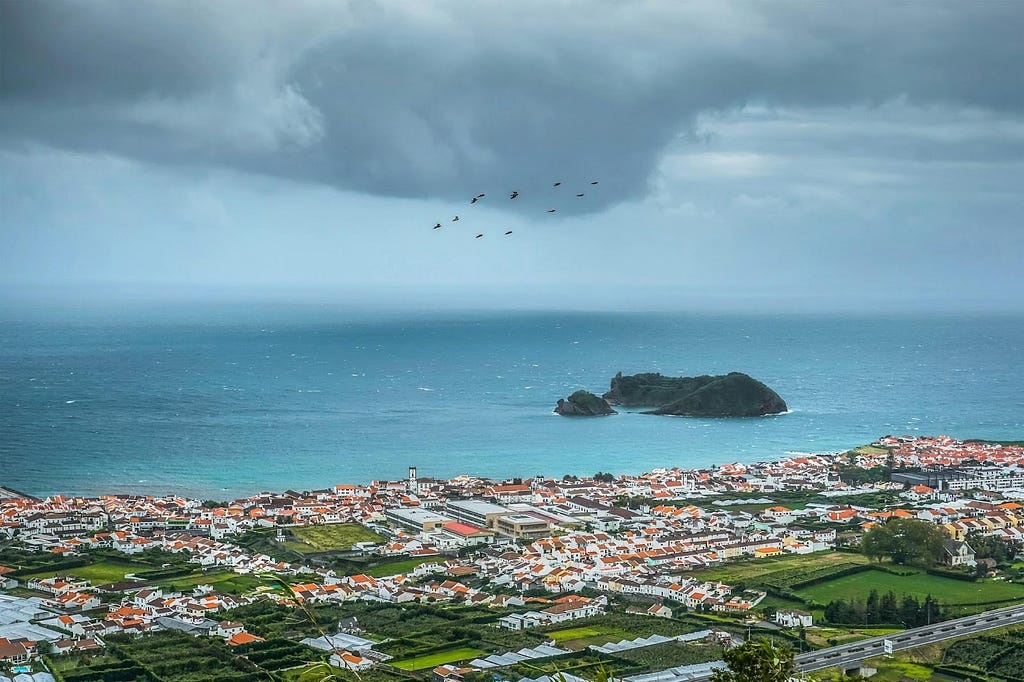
(442, 99)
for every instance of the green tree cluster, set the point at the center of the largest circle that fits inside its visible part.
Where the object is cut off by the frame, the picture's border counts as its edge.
(992, 547)
(885, 609)
(905, 541)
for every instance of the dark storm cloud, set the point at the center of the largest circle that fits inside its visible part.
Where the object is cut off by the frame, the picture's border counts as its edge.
(447, 99)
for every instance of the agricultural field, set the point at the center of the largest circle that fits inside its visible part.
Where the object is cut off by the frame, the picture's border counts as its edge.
(672, 654)
(439, 658)
(335, 537)
(166, 656)
(777, 569)
(615, 627)
(949, 591)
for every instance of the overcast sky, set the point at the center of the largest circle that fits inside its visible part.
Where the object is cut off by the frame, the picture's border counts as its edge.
(783, 155)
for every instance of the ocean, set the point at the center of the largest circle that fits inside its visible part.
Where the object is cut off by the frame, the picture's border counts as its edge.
(222, 402)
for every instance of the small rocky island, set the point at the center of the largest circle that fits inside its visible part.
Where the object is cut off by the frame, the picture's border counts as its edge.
(583, 404)
(728, 395)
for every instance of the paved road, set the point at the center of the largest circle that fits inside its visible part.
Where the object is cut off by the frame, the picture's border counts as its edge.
(908, 639)
(867, 648)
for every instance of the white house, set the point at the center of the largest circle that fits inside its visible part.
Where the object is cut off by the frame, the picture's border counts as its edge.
(793, 618)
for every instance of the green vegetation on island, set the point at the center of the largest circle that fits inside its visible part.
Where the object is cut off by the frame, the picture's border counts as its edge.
(730, 395)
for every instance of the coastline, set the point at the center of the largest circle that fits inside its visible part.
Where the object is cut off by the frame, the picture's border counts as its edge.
(155, 490)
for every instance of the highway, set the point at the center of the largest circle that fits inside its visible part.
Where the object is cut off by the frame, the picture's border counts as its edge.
(848, 654)
(908, 639)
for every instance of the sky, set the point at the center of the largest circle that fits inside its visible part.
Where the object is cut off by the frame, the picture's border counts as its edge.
(749, 155)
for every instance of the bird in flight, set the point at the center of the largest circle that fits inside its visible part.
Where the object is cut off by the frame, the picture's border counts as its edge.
(556, 184)
(594, 182)
(455, 219)
(580, 194)
(551, 210)
(509, 232)
(474, 200)
(481, 195)
(513, 195)
(438, 226)
(479, 235)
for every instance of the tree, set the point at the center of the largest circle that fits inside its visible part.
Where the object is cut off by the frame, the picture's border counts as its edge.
(905, 541)
(757, 661)
(876, 543)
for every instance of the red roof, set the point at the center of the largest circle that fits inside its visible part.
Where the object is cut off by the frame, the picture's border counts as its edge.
(462, 528)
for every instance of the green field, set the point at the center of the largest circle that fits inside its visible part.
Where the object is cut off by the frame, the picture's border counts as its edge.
(403, 566)
(100, 573)
(439, 658)
(335, 537)
(948, 591)
(222, 581)
(579, 633)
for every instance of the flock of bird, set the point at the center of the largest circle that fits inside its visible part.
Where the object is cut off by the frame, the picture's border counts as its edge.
(513, 195)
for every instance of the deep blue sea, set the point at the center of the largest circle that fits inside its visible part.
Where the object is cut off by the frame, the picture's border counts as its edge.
(225, 402)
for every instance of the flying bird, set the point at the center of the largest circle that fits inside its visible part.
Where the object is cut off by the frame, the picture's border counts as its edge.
(556, 184)
(455, 219)
(479, 235)
(509, 232)
(594, 182)
(513, 195)
(474, 200)
(481, 195)
(551, 210)
(580, 194)
(438, 226)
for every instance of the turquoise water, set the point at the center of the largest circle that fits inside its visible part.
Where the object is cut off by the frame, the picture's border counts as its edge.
(226, 402)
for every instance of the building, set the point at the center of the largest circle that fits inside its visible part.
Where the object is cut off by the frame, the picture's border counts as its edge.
(476, 512)
(420, 520)
(793, 618)
(956, 553)
(523, 526)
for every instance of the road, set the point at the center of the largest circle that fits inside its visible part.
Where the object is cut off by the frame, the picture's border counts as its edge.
(848, 654)
(908, 639)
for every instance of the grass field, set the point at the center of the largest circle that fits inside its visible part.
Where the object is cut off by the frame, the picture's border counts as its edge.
(580, 633)
(576, 639)
(100, 573)
(335, 537)
(401, 566)
(948, 591)
(439, 658)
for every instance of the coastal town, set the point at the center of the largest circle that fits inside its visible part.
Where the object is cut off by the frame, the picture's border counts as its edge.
(529, 576)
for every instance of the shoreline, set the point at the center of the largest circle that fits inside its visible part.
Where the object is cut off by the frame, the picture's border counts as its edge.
(188, 492)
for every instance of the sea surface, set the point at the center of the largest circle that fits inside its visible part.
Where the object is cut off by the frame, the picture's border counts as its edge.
(225, 402)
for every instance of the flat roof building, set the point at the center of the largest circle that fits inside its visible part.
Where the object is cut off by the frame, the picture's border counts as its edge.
(422, 520)
(476, 512)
